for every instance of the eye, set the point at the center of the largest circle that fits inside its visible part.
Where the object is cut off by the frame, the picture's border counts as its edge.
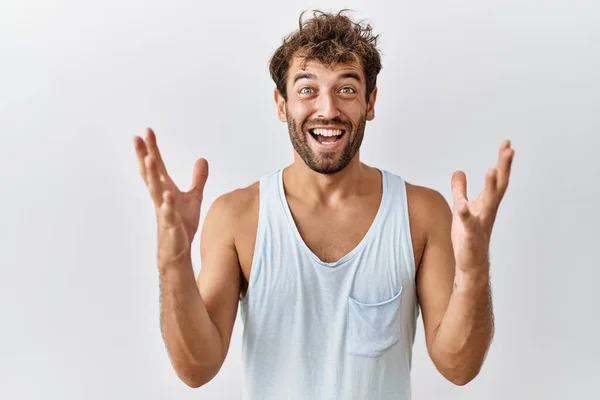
(306, 90)
(347, 90)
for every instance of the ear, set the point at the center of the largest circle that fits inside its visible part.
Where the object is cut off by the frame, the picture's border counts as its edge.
(280, 101)
(371, 105)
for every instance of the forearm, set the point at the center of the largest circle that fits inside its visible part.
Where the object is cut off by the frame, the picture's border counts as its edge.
(191, 338)
(465, 333)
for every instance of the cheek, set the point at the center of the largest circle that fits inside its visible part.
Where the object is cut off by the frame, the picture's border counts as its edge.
(302, 110)
(353, 109)
(299, 115)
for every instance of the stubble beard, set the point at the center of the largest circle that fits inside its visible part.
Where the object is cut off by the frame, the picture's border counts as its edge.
(327, 162)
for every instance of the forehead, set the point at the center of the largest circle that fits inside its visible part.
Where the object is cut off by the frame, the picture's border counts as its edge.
(319, 71)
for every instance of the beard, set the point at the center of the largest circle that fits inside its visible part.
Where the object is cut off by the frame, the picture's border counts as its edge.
(326, 162)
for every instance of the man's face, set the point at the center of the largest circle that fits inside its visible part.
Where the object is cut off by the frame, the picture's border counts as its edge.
(326, 113)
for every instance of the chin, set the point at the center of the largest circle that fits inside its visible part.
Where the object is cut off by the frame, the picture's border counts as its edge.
(326, 168)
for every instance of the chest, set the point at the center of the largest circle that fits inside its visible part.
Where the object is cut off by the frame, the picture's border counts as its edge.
(331, 234)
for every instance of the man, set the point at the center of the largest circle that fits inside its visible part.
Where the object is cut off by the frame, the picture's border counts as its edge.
(329, 259)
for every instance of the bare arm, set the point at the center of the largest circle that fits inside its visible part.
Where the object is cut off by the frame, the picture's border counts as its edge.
(453, 279)
(197, 317)
(458, 319)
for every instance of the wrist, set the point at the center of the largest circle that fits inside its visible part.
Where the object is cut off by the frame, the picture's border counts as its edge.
(476, 278)
(175, 265)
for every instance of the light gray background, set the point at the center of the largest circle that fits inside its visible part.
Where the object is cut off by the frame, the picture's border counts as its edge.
(78, 286)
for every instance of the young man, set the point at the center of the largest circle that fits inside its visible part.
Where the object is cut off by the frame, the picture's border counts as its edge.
(329, 259)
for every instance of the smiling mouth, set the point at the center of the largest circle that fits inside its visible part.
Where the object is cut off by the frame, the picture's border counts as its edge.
(327, 136)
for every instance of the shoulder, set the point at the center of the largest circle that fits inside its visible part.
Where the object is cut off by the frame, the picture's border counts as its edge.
(425, 201)
(237, 212)
(236, 203)
(428, 214)
(231, 215)
(428, 209)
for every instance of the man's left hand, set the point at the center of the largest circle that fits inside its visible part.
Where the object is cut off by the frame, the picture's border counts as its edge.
(473, 220)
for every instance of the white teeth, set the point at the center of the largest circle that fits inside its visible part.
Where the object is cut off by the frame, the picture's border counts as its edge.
(327, 132)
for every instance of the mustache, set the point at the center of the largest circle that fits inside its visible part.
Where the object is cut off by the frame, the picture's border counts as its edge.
(328, 123)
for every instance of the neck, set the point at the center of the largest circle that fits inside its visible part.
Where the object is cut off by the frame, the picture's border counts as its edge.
(328, 189)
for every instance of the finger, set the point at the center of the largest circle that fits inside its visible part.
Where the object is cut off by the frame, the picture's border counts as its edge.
(153, 181)
(463, 212)
(141, 152)
(504, 164)
(167, 209)
(154, 151)
(462, 209)
(490, 190)
(200, 176)
(459, 186)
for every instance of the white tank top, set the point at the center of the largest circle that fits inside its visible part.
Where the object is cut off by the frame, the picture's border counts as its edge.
(329, 330)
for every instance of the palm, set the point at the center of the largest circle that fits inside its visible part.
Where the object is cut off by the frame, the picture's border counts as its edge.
(185, 205)
(473, 220)
(472, 241)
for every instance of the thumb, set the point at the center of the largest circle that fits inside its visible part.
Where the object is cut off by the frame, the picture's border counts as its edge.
(168, 215)
(459, 187)
(199, 176)
(462, 210)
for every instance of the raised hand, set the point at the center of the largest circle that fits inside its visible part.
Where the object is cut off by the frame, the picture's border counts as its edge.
(473, 220)
(177, 212)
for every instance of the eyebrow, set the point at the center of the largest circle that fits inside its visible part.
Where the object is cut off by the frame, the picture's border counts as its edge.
(350, 75)
(304, 75)
(345, 75)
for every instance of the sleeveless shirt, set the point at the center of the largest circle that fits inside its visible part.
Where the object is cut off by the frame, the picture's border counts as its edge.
(329, 330)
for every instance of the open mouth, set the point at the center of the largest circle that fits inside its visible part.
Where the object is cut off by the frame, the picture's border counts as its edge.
(327, 137)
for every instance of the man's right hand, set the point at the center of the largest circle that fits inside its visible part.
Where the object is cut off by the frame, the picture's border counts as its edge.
(177, 212)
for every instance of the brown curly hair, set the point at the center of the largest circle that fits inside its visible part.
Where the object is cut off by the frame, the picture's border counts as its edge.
(329, 39)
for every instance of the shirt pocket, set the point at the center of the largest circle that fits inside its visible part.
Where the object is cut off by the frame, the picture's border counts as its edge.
(373, 327)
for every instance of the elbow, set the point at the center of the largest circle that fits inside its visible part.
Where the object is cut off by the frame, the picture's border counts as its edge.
(460, 366)
(197, 371)
(459, 370)
(463, 378)
(192, 382)
(195, 377)
(462, 371)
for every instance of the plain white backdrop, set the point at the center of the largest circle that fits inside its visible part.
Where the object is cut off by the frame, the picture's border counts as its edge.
(79, 284)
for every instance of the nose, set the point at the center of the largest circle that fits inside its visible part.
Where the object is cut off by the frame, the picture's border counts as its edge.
(327, 106)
